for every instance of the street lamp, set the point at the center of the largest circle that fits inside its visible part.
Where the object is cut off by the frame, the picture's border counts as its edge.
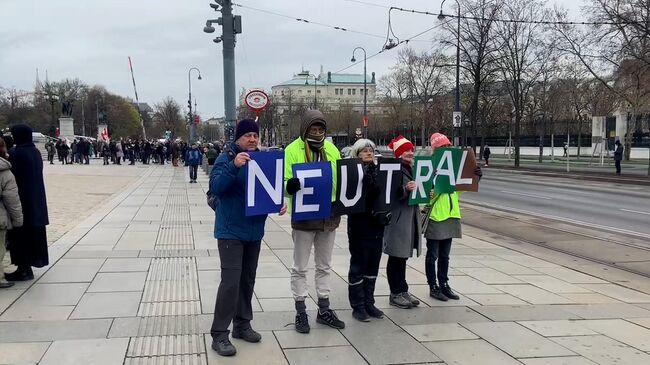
(189, 103)
(441, 17)
(365, 91)
(52, 98)
(307, 83)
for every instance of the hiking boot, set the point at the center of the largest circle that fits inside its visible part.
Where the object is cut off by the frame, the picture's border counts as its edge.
(374, 311)
(248, 335)
(436, 293)
(400, 301)
(302, 322)
(328, 317)
(360, 314)
(414, 301)
(223, 347)
(446, 290)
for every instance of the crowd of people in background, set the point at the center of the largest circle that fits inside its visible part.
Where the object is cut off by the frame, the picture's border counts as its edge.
(127, 151)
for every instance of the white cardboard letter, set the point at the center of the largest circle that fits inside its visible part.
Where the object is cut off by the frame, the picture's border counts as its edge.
(255, 173)
(344, 187)
(447, 161)
(390, 167)
(301, 207)
(419, 178)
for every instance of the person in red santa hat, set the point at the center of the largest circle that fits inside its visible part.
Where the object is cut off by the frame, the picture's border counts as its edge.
(402, 236)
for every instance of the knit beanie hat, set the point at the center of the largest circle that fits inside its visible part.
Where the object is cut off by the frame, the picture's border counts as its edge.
(400, 145)
(439, 140)
(246, 126)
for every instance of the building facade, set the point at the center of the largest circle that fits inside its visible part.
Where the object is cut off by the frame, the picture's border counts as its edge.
(325, 91)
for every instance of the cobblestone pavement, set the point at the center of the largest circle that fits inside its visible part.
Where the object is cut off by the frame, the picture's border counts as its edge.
(135, 283)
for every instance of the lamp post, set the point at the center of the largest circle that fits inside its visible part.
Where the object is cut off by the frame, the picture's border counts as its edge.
(457, 111)
(307, 83)
(52, 98)
(189, 103)
(365, 91)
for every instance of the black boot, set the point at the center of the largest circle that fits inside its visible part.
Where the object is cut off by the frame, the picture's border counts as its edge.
(21, 274)
(435, 292)
(446, 290)
(359, 313)
(369, 297)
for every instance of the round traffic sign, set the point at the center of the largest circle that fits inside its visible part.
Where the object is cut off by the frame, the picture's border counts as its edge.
(256, 100)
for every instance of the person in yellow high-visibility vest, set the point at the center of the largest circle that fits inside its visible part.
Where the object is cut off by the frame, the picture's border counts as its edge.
(442, 227)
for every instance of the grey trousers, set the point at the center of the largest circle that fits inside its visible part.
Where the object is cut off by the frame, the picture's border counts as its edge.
(323, 243)
(238, 269)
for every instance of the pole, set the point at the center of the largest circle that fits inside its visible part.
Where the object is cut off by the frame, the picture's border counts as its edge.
(144, 133)
(365, 97)
(83, 120)
(552, 147)
(568, 151)
(228, 37)
(457, 104)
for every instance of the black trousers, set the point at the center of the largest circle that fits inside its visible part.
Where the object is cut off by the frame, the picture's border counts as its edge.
(193, 170)
(238, 268)
(365, 255)
(396, 274)
(437, 250)
(618, 167)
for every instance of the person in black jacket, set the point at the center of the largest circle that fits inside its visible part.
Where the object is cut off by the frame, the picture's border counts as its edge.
(365, 236)
(28, 244)
(618, 156)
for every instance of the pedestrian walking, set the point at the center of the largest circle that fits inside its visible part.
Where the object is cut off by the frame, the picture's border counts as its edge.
(106, 153)
(51, 150)
(402, 236)
(365, 238)
(443, 225)
(212, 155)
(312, 146)
(618, 156)
(193, 158)
(11, 211)
(486, 155)
(566, 150)
(28, 244)
(239, 239)
(119, 152)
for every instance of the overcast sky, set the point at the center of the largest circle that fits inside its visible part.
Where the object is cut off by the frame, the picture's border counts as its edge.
(91, 39)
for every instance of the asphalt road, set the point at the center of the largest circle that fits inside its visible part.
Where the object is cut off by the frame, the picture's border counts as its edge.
(606, 206)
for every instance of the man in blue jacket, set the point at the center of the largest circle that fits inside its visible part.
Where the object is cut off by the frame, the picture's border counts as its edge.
(239, 238)
(193, 158)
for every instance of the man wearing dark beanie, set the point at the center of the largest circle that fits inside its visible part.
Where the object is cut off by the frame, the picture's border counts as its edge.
(239, 238)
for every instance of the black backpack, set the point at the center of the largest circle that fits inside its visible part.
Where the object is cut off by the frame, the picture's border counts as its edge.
(212, 199)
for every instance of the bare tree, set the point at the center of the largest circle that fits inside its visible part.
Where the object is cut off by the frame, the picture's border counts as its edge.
(521, 56)
(168, 116)
(616, 52)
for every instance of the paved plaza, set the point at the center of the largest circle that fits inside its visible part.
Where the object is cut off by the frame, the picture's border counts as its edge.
(134, 280)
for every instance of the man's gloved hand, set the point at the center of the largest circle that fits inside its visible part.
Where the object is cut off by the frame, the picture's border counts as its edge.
(293, 185)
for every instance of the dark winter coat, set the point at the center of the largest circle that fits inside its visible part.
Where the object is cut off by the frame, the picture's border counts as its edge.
(365, 225)
(228, 183)
(27, 166)
(618, 154)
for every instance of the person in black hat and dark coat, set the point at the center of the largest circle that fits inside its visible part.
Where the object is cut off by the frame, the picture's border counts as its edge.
(28, 244)
(239, 239)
